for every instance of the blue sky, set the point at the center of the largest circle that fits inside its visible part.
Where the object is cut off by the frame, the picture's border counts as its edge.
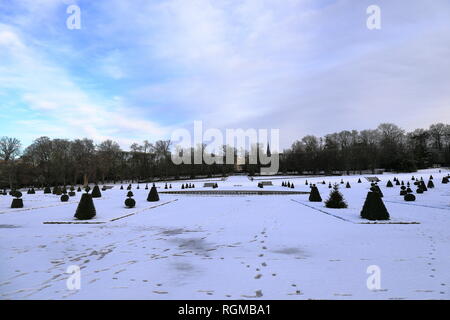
(140, 69)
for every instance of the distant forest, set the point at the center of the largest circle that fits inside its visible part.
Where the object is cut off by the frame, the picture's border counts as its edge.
(60, 161)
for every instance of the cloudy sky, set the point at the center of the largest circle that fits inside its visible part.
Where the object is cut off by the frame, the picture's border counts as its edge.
(140, 69)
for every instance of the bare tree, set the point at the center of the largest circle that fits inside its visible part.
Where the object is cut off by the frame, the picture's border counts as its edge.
(9, 150)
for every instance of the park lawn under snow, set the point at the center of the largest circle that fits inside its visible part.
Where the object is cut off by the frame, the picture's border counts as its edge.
(229, 247)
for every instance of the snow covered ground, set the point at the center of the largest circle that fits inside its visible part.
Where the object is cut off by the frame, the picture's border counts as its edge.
(229, 247)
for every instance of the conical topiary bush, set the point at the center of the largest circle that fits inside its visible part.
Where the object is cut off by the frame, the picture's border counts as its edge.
(397, 183)
(374, 208)
(314, 195)
(348, 186)
(336, 200)
(423, 186)
(96, 193)
(47, 190)
(86, 208)
(359, 180)
(444, 180)
(153, 194)
(389, 184)
(79, 189)
(430, 184)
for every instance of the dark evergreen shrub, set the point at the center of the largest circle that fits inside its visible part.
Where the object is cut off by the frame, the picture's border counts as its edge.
(282, 184)
(342, 181)
(403, 183)
(86, 208)
(329, 185)
(397, 183)
(130, 202)
(389, 184)
(289, 184)
(129, 187)
(130, 194)
(57, 191)
(87, 189)
(430, 184)
(47, 190)
(64, 198)
(96, 192)
(408, 190)
(348, 186)
(79, 189)
(419, 190)
(170, 186)
(306, 183)
(323, 182)
(72, 194)
(444, 180)
(359, 180)
(121, 187)
(374, 208)
(17, 202)
(314, 195)
(165, 187)
(146, 186)
(412, 178)
(336, 200)
(182, 186)
(403, 191)
(138, 187)
(292, 185)
(193, 185)
(410, 197)
(431, 177)
(423, 186)
(153, 194)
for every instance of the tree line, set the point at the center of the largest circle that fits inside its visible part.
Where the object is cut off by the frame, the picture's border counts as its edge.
(61, 161)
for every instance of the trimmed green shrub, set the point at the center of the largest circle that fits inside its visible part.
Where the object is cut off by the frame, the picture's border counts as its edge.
(374, 208)
(64, 198)
(430, 184)
(153, 194)
(47, 190)
(96, 192)
(314, 195)
(359, 180)
(86, 208)
(410, 197)
(17, 202)
(389, 184)
(130, 202)
(348, 185)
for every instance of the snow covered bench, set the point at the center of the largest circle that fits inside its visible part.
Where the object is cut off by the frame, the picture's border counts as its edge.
(266, 183)
(208, 185)
(372, 179)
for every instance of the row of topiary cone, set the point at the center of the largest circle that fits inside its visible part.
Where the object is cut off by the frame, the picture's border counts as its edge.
(373, 208)
(286, 184)
(86, 209)
(188, 186)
